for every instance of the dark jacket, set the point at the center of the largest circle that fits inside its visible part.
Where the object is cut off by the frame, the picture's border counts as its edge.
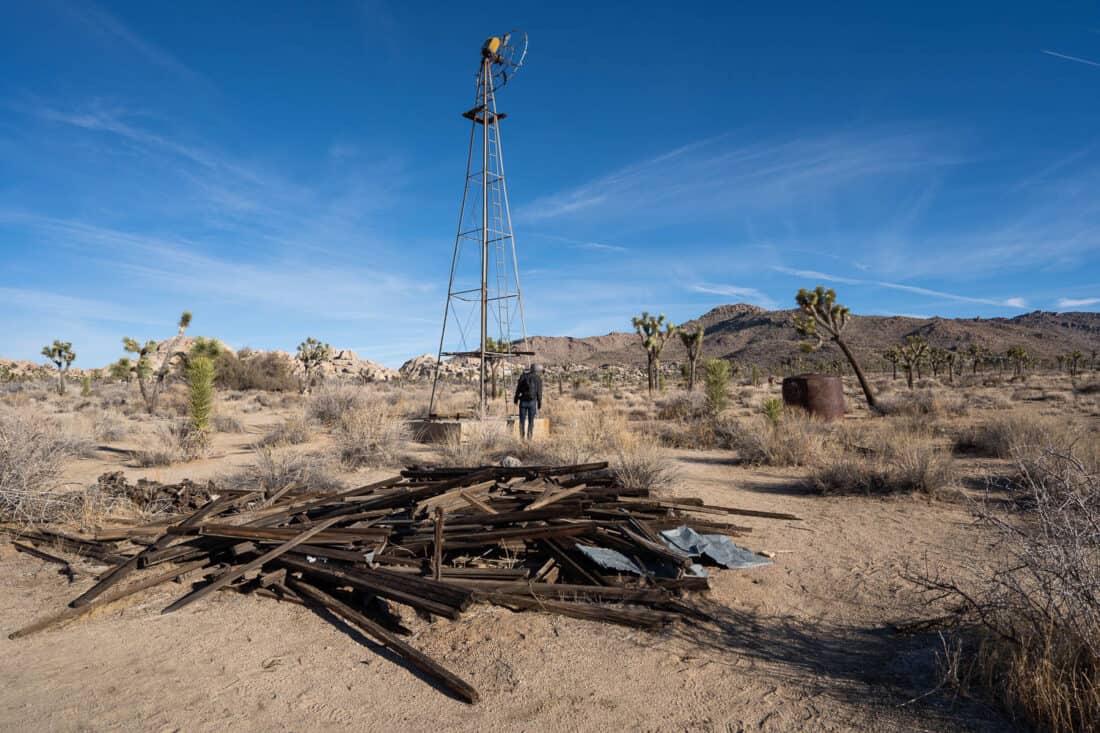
(529, 389)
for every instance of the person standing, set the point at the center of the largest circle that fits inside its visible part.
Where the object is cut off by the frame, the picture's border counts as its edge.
(529, 398)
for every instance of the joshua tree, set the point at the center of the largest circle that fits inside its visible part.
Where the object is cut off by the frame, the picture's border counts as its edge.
(823, 318)
(937, 359)
(951, 357)
(653, 340)
(151, 380)
(312, 353)
(693, 342)
(200, 382)
(121, 369)
(1019, 357)
(499, 347)
(913, 352)
(893, 355)
(60, 353)
(1073, 361)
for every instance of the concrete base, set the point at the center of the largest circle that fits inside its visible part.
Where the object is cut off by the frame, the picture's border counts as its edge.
(463, 429)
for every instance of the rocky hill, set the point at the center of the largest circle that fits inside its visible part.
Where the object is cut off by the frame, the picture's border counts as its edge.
(753, 335)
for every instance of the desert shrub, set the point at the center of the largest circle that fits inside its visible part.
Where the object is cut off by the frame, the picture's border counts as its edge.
(916, 466)
(924, 402)
(773, 410)
(108, 426)
(1027, 626)
(583, 434)
(32, 452)
(640, 465)
(486, 441)
(270, 371)
(170, 442)
(330, 403)
(293, 431)
(1004, 436)
(274, 469)
(371, 435)
(1089, 388)
(682, 406)
(795, 440)
(224, 423)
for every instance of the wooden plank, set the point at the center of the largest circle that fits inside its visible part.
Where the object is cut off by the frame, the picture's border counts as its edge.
(437, 546)
(476, 502)
(230, 575)
(107, 598)
(410, 654)
(558, 496)
(120, 572)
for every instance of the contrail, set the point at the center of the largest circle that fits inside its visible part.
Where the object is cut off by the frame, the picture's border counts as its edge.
(1069, 58)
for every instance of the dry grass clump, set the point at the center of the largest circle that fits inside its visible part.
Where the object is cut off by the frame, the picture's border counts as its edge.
(171, 442)
(487, 441)
(275, 469)
(640, 464)
(32, 451)
(1028, 628)
(227, 423)
(372, 435)
(1009, 435)
(580, 434)
(924, 402)
(109, 427)
(795, 439)
(682, 406)
(292, 431)
(331, 403)
(890, 457)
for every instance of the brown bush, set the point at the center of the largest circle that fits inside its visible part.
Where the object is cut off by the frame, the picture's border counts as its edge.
(32, 453)
(330, 403)
(795, 440)
(270, 372)
(293, 431)
(275, 469)
(1027, 627)
(372, 434)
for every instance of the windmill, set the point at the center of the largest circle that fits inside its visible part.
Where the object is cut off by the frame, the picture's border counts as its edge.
(484, 283)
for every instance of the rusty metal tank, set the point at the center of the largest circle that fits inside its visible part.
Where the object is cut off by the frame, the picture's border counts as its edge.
(821, 395)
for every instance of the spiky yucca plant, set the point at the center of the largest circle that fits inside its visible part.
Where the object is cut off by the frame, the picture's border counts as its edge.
(60, 353)
(823, 318)
(200, 383)
(653, 341)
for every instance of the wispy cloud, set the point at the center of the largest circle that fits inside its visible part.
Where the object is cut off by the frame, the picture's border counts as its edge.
(713, 175)
(1077, 302)
(586, 244)
(112, 32)
(1014, 302)
(751, 295)
(1067, 57)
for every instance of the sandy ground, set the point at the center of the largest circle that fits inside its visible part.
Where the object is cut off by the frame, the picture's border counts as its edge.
(801, 645)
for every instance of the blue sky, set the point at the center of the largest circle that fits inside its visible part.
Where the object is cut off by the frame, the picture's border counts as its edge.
(287, 170)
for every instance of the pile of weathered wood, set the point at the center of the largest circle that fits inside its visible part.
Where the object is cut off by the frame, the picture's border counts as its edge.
(571, 540)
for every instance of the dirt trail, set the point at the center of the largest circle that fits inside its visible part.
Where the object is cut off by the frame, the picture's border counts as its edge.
(801, 645)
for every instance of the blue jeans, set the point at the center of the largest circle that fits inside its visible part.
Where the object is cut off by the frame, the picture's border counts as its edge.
(527, 411)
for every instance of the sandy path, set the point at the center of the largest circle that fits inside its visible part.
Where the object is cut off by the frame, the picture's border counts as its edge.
(798, 646)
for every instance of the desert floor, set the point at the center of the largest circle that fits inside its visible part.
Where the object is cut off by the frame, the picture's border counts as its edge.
(805, 644)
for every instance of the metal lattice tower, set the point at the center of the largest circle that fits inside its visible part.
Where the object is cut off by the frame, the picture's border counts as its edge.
(484, 307)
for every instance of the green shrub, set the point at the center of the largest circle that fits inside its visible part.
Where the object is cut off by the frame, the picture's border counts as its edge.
(716, 382)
